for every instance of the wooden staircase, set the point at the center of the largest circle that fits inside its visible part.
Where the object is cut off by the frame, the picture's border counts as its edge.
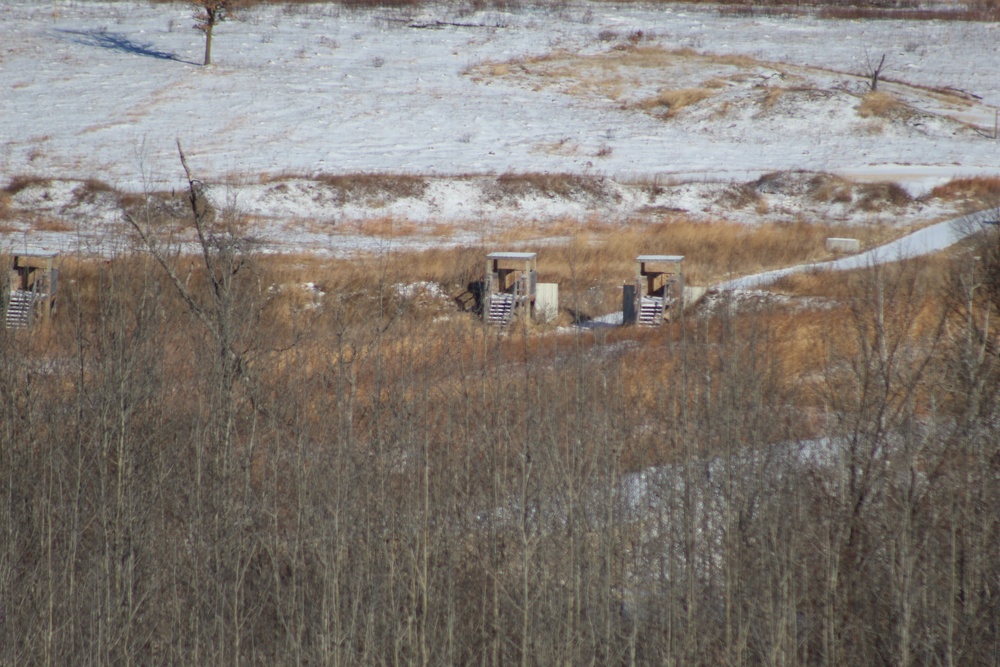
(500, 309)
(19, 309)
(651, 311)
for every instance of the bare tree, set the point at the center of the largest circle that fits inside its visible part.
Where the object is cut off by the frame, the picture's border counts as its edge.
(208, 13)
(872, 70)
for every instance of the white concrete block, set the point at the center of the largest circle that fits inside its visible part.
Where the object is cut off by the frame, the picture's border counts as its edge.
(834, 244)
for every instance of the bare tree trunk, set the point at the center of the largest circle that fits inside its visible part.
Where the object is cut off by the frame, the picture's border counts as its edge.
(209, 27)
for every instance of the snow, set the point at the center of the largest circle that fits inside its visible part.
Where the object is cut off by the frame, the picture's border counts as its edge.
(104, 89)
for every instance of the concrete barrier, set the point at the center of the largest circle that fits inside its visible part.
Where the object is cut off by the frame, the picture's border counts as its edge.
(546, 302)
(693, 295)
(834, 244)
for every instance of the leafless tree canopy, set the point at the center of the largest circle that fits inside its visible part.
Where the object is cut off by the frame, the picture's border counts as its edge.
(192, 472)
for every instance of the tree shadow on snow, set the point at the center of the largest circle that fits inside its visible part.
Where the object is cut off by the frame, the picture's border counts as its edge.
(116, 41)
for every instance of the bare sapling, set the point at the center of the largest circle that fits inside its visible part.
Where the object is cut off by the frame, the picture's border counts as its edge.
(872, 71)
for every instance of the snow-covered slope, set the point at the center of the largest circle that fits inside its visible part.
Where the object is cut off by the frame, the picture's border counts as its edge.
(103, 89)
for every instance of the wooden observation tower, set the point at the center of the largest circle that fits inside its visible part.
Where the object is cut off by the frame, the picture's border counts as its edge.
(509, 286)
(657, 294)
(34, 280)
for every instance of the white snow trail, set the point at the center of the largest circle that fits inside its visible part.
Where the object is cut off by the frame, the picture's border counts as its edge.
(921, 242)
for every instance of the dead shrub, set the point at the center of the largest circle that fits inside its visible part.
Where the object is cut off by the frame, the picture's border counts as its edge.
(157, 209)
(789, 183)
(90, 190)
(876, 196)
(741, 196)
(637, 36)
(828, 188)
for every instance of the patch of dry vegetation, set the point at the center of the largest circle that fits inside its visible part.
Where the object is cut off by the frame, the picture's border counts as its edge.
(48, 223)
(978, 10)
(363, 188)
(160, 209)
(828, 188)
(510, 186)
(670, 102)
(879, 196)
(839, 286)
(771, 97)
(393, 227)
(618, 72)
(21, 182)
(6, 211)
(882, 105)
(977, 190)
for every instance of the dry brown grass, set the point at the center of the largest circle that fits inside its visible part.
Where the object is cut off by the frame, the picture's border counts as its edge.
(982, 190)
(742, 196)
(981, 11)
(879, 196)
(882, 105)
(591, 266)
(739, 61)
(47, 223)
(771, 97)
(557, 185)
(165, 210)
(584, 268)
(672, 101)
(387, 227)
(612, 74)
(829, 188)
(873, 128)
(6, 212)
(391, 227)
(832, 189)
(22, 182)
(843, 285)
(372, 188)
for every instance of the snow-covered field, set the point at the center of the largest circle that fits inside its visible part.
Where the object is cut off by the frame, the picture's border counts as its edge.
(102, 90)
